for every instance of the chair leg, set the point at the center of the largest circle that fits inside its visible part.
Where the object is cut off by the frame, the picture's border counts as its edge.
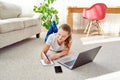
(90, 25)
(99, 28)
(86, 29)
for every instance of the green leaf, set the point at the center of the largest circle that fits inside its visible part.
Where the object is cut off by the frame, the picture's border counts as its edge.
(47, 12)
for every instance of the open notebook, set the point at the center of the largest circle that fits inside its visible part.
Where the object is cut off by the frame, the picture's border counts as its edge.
(42, 61)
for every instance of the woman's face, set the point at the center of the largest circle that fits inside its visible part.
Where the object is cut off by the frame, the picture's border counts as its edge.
(62, 35)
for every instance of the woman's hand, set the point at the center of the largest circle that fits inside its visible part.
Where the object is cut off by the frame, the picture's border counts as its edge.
(45, 58)
(46, 61)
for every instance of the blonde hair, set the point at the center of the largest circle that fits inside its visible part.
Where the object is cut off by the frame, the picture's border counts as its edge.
(67, 28)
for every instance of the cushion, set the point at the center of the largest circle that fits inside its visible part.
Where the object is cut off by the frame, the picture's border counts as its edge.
(28, 22)
(9, 10)
(13, 24)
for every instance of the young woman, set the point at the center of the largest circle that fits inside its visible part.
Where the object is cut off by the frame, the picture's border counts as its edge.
(59, 43)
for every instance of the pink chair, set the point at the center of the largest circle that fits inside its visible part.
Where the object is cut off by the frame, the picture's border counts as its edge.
(95, 13)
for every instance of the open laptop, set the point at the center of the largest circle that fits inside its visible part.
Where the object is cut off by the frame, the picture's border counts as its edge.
(80, 59)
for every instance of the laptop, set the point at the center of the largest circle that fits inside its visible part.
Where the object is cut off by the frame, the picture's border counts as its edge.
(80, 59)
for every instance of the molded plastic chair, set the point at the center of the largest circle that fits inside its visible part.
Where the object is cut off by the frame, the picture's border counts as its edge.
(95, 13)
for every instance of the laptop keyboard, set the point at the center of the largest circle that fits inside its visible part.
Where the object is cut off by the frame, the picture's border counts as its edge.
(69, 63)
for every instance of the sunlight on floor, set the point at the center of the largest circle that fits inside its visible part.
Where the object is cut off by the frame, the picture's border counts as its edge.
(99, 39)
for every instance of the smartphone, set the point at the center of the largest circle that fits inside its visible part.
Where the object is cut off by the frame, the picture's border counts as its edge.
(58, 69)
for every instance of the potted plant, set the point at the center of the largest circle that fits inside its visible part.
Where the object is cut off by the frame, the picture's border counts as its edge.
(47, 12)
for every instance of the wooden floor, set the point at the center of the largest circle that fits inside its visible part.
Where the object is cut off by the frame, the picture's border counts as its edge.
(95, 32)
(81, 31)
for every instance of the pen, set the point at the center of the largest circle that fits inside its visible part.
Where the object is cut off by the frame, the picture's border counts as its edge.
(46, 56)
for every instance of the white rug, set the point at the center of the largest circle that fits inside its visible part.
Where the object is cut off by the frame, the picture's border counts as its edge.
(21, 61)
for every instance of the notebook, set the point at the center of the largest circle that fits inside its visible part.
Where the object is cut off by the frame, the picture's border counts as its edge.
(80, 59)
(42, 61)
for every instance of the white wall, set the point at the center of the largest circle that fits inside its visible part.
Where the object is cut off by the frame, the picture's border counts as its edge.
(27, 5)
(110, 24)
(61, 6)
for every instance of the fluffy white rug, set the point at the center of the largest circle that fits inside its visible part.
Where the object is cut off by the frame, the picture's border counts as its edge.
(21, 61)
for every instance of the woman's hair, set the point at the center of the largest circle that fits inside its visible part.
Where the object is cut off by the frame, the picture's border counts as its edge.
(67, 28)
